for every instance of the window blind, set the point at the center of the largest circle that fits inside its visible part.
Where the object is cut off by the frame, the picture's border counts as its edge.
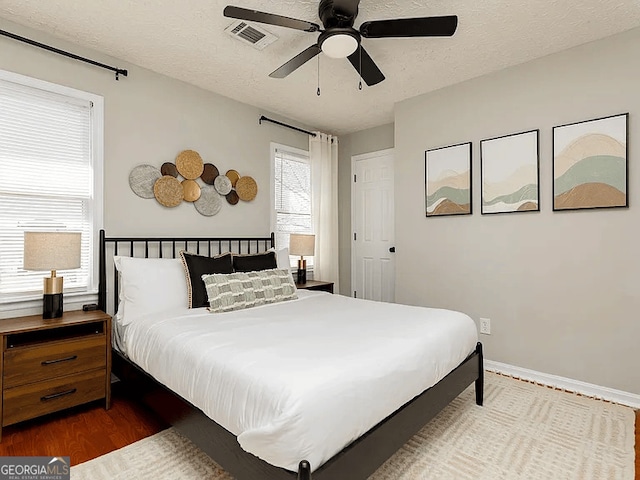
(292, 195)
(46, 182)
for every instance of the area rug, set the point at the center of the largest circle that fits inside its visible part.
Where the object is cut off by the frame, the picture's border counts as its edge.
(524, 431)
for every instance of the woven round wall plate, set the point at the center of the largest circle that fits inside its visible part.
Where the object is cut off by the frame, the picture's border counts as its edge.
(233, 175)
(191, 190)
(232, 197)
(247, 188)
(189, 164)
(169, 168)
(168, 191)
(209, 173)
(210, 201)
(222, 184)
(142, 178)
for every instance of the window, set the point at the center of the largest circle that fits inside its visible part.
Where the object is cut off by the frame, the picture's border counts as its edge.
(292, 194)
(50, 179)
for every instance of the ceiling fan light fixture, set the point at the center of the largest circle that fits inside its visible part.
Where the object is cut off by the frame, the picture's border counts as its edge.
(339, 45)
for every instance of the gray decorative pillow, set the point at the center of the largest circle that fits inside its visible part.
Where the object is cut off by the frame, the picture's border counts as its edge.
(235, 291)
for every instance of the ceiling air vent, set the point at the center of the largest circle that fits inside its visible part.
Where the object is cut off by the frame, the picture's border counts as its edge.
(253, 35)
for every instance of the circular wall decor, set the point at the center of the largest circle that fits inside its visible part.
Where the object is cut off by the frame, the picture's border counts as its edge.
(209, 173)
(191, 190)
(168, 191)
(247, 188)
(222, 184)
(189, 164)
(233, 175)
(232, 197)
(210, 201)
(169, 168)
(142, 179)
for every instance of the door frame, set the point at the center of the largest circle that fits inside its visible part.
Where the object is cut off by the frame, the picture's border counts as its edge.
(354, 159)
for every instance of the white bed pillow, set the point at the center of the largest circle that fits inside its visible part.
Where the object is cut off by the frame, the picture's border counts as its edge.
(149, 285)
(282, 259)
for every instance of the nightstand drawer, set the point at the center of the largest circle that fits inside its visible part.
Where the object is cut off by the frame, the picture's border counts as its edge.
(30, 365)
(33, 400)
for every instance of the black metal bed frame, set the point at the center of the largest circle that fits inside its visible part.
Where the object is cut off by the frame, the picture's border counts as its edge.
(357, 461)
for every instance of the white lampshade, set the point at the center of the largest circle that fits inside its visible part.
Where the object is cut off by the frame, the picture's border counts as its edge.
(302, 245)
(51, 250)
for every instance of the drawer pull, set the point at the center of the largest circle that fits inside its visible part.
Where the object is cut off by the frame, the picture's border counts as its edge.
(56, 395)
(66, 359)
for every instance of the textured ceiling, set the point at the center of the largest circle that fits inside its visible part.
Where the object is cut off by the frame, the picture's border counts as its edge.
(185, 39)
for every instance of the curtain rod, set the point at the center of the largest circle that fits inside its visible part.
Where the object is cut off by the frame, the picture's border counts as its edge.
(266, 119)
(118, 71)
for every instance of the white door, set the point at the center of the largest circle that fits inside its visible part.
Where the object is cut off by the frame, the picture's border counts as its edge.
(372, 224)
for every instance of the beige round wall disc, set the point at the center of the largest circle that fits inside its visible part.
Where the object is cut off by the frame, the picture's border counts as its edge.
(247, 188)
(222, 184)
(189, 164)
(191, 190)
(233, 176)
(210, 201)
(168, 191)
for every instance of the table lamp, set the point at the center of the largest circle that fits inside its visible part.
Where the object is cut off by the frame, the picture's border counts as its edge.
(52, 251)
(302, 245)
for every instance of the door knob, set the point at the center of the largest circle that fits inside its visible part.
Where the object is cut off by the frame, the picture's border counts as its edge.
(392, 249)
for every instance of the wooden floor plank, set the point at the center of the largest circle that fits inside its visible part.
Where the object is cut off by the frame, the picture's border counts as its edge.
(84, 432)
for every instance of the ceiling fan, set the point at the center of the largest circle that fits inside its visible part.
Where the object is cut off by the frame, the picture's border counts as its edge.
(340, 40)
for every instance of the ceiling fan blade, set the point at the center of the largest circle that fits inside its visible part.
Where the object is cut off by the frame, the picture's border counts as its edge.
(411, 27)
(296, 62)
(346, 7)
(269, 18)
(371, 74)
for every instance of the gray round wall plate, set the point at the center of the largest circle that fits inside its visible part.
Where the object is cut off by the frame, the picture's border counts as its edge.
(142, 178)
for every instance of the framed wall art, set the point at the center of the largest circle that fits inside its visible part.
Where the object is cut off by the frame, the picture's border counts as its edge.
(590, 164)
(509, 170)
(448, 180)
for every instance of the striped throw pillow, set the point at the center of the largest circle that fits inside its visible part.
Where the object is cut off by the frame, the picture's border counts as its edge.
(235, 291)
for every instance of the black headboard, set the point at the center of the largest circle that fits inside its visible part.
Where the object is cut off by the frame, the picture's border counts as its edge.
(166, 247)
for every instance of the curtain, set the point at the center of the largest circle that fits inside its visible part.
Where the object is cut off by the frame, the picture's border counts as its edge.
(323, 156)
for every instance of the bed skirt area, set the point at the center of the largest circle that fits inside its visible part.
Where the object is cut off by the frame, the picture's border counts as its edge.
(357, 461)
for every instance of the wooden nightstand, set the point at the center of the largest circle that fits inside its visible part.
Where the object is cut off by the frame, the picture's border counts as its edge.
(316, 285)
(50, 365)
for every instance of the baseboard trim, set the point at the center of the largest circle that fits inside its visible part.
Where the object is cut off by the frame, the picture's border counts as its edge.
(588, 389)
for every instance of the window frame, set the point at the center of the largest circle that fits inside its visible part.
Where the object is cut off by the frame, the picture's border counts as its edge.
(297, 151)
(32, 304)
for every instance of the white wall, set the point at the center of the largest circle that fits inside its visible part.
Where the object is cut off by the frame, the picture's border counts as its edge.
(150, 118)
(562, 289)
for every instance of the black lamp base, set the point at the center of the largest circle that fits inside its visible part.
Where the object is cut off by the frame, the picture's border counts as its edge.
(52, 305)
(302, 271)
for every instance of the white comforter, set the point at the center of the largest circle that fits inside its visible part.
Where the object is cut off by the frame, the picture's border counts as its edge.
(300, 380)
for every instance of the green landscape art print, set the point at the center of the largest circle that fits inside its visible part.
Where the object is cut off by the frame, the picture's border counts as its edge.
(510, 173)
(448, 180)
(590, 164)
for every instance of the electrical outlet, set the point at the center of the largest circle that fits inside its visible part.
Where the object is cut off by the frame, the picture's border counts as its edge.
(485, 326)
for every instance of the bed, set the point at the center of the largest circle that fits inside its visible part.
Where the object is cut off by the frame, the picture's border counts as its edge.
(282, 411)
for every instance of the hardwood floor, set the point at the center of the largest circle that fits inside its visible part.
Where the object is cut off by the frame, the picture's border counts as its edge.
(89, 431)
(84, 432)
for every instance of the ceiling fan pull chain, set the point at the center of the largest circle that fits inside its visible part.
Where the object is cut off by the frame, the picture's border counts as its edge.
(318, 91)
(360, 82)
